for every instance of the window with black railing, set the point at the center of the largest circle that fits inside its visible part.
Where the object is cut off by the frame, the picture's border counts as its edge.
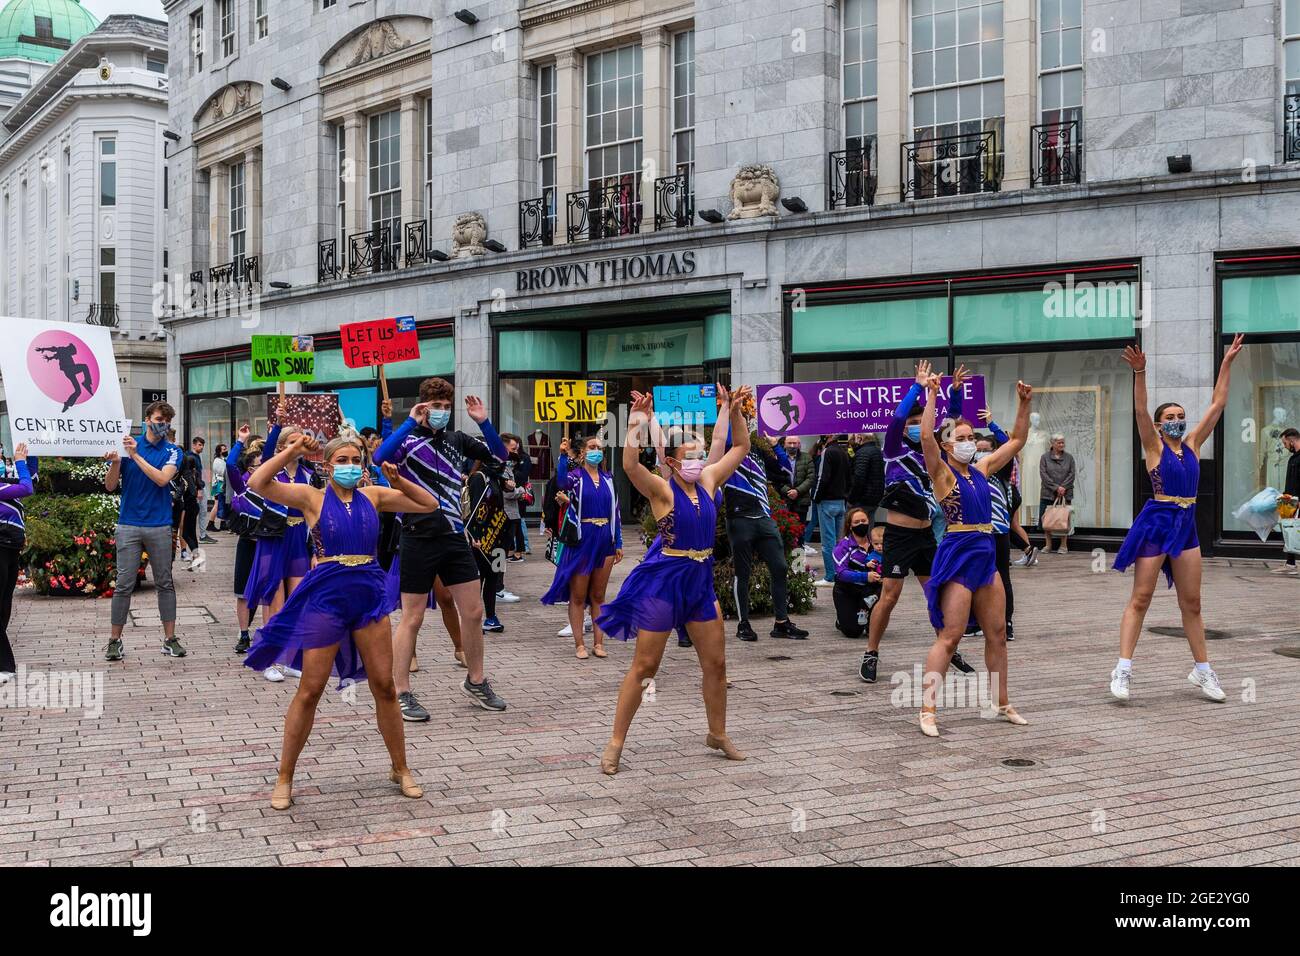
(852, 175)
(951, 165)
(415, 243)
(105, 314)
(537, 221)
(674, 201)
(1056, 153)
(371, 251)
(1291, 128)
(608, 208)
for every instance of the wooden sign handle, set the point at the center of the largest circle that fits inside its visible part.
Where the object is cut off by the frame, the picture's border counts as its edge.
(383, 384)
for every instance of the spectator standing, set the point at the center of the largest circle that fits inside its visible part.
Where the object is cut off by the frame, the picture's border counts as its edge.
(829, 491)
(1291, 441)
(799, 495)
(868, 485)
(1056, 472)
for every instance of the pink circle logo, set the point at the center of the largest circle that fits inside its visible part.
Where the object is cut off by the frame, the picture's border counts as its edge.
(782, 409)
(63, 367)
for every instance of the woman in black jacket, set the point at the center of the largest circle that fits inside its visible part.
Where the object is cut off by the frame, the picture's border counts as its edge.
(868, 484)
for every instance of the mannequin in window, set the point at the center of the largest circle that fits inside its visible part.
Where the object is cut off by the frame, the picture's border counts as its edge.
(1035, 447)
(539, 450)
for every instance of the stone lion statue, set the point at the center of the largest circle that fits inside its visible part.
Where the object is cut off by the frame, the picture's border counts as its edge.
(754, 192)
(468, 234)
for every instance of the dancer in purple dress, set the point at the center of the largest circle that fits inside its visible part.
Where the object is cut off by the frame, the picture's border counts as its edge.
(588, 495)
(673, 586)
(1163, 537)
(280, 562)
(245, 510)
(964, 577)
(337, 618)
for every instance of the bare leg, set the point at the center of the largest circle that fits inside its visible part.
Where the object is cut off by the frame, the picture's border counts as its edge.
(955, 602)
(291, 585)
(990, 606)
(645, 664)
(1187, 582)
(596, 597)
(242, 614)
(413, 606)
(710, 647)
(375, 645)
(1146, 572)
(578, 585)
(316, 665)
(469, 606)
(890, 589)
(447, 606)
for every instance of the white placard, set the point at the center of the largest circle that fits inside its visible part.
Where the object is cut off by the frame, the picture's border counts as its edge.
(61, 387)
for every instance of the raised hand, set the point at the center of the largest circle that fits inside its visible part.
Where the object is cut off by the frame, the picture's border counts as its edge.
(20, 453)
(1136, 358)
(741, 395)
(1026, 392)
(1234, 349)
(420, 412)
(960, 377)
(923, 373)
(386, 408)
(112, 457)
(244, 433)
(933, 383)
(564, 446)
(391, 473)
(301, 444)
(986, 415)
(643, 403)
(724, 396)
(476, 409)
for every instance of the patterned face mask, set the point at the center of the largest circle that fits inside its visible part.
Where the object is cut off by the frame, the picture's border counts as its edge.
(1174, 429)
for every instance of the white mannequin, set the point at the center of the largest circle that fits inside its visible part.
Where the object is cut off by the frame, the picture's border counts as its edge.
(1272, 456)
(1030, 483)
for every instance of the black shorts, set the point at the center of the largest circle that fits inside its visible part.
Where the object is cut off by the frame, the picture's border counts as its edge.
(445, 556)
(1016, 500)
(908, 550)
(243, 562)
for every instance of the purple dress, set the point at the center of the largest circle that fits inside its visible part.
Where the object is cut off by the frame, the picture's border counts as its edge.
(594, 511)
(277, 559)
(968, 558)
(665, 591)
(1165, 527)
(335, 598)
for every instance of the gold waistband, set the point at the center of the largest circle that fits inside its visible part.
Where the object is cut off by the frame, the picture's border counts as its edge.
(1181, 502)
(349, 560)
(598, 521)
(294, 522)
(982, 528)
(698, 555)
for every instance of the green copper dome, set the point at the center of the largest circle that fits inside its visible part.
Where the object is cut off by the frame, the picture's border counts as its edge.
(42, 30)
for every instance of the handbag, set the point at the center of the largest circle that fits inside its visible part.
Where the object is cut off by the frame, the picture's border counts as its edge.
(1290, 535)
(1058, 518)
(554, 550)
(271, 524)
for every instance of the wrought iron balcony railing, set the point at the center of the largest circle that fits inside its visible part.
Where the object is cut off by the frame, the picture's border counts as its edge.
(106, 315)
(327, 260)
(415, 245)
(606, 209)
(371, 251)
(1056, 154)
(852, 176)
(674, 201)
(537, 220)
(951, 165)
(1291, 128)
(230, 280)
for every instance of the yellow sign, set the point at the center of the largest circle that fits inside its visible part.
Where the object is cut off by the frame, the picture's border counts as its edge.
(556, 400)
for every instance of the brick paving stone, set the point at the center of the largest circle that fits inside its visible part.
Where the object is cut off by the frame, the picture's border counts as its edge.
(178, 768)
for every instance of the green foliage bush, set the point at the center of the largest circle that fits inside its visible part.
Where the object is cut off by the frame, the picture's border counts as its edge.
(71, 526)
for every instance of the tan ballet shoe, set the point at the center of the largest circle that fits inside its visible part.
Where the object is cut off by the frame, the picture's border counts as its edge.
(282, 796)
(460, 659)
(1008, 713)
(724, 744)
(415, 664)
(599, 651)
(582, 652)
(609, 759)
(407, 782)
(929, 724)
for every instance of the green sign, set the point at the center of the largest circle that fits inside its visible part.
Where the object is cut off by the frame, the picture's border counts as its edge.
(283, 358)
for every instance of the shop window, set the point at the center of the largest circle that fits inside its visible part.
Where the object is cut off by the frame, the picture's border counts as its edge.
(330, 367)
(1263, 401)
(1056, 313)
(646, 347)
(878, 326)
(1261, 304)
(717, 337)
(539, 351)
(200, 379)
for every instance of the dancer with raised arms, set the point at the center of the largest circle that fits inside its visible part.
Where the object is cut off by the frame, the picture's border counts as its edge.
(964, 577)
(1163, 538)
(673, 586)
(337, 618)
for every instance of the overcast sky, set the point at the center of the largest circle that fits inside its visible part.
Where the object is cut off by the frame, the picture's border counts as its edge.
(106, 8)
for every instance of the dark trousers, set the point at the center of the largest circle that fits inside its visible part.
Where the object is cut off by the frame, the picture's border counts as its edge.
(189, 522)
(490, 581)
(8, 581)
(1002, 544)
(748, 535)
(849, 599)
(513, 536)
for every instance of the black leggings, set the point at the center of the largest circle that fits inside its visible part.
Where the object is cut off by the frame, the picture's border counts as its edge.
(1002, 543)
(8, 581)
(849, 600)
(189, 522)
(490, 581)
(748, 535)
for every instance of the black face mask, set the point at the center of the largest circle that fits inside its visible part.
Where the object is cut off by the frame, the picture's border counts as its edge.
(861, 530)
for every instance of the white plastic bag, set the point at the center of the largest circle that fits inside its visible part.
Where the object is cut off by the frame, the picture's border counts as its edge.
(1260, 512)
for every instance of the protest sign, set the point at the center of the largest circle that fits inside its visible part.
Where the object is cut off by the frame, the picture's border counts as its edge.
(686, 404)
(834, 408)
(283, 358)
(380, 342)
(557, 400)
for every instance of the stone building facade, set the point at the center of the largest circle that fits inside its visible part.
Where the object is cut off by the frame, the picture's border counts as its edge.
(668, 191)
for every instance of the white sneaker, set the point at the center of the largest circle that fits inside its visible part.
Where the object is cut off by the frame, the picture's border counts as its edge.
(823, 583)
(273, 674)
(1284, 569)
(1208, 682)
(1119, 681)
(185, 554)
(586, 624)
(288, 671)
(506, 597)
(566, 631)
(809, 549)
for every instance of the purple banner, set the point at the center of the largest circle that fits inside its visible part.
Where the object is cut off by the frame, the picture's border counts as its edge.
(834, 408)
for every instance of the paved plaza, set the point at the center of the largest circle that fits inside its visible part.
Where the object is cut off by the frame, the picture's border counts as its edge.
(178, 768)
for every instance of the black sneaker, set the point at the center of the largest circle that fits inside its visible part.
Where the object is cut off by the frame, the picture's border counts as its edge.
(483, 695)
(789, 629)
(172, 648)
(746, 633)
(959, 662)
(114, 650)
(683, 640)
(870, 661)
(244, 642)
(411, 709)
(1011, 634)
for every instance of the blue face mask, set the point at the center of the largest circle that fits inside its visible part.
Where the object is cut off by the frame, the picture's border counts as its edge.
(159, 429)
(438, 418)
(347, 476)
(914, 432)
(1174, 429)
(595, 458)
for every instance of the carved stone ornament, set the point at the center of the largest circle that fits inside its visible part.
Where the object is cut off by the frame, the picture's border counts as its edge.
(754, 192)
(235, 98)
(467, 235)
(379, 39)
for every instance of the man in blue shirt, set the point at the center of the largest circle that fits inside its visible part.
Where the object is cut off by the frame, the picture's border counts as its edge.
(144, 522)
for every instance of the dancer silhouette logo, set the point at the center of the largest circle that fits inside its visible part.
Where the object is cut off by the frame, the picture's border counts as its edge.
(63, 367)
(781, 410)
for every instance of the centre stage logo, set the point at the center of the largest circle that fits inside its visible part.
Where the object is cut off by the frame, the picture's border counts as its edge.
(782, 409)
(63, 367)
